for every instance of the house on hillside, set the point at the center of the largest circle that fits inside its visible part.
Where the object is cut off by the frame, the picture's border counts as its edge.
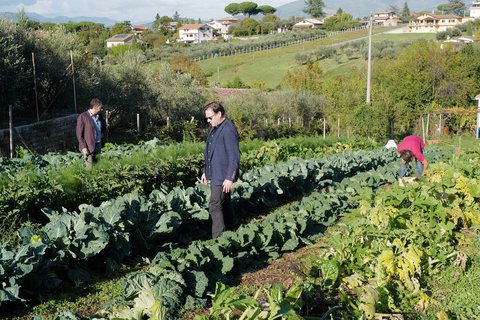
(475, 9)
(429, 23)
(221, 26)
(119, 39)
(172, 26)
(308, 24)
(195, 33)
(385, 18)
(138, 30)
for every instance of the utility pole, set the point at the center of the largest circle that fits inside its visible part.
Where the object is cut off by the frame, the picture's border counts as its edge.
(35, 85)
(369, 67)
(73, 78)
(477, 134)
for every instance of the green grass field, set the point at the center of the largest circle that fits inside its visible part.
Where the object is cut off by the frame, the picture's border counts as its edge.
(271, 66)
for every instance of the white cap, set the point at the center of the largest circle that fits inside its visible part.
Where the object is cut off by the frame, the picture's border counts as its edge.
(390, 144)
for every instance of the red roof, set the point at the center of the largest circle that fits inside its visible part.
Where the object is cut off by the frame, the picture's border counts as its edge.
(192, 26)
(138, 28)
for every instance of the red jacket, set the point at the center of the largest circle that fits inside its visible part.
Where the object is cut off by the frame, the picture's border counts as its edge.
(415, 144)
(86, 133)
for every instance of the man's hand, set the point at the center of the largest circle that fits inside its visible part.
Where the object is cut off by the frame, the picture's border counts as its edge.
(425, 166)
(227, 186)
(204, 179)
(85, 151)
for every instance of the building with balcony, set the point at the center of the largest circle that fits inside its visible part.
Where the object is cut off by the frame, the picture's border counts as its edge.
(432, 23)
(475, 9)
(195, 33)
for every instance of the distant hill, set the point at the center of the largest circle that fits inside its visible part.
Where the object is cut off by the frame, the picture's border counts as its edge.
(37, 17)
(358, 8)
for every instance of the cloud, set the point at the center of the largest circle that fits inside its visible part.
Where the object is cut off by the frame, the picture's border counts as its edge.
(16, 3)
(137, 12)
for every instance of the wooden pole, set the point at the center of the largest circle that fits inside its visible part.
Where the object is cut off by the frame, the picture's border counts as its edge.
(423, 128)
(369, 65)
(338, 127)
(324, 128)
(440, 131)
(10, 127)
(73, 79)
(168, 122)
(35, 86)
(428, 125)
(138, 122)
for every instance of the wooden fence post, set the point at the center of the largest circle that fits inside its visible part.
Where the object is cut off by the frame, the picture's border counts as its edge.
(324, 128)
(10, 127)
(338, 127)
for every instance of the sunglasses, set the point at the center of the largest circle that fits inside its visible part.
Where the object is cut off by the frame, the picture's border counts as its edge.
(210, 118)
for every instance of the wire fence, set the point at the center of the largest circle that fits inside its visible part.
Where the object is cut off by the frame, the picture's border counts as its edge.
(278, 44)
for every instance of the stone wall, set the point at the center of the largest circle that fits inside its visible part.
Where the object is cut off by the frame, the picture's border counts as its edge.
(43, 136)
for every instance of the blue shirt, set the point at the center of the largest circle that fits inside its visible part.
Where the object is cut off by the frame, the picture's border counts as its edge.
(98, 127)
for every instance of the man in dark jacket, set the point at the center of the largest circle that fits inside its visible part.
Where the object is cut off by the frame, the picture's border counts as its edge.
(222, 160)
(90, 127)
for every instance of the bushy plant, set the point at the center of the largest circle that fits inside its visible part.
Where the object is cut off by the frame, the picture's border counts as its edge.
(275, 114)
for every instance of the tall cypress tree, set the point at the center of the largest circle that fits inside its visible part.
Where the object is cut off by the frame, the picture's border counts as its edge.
(405, 16)
(314, 8)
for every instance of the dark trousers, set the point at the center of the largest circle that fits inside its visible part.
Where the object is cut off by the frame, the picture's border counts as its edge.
(221, 211)
(92, 157)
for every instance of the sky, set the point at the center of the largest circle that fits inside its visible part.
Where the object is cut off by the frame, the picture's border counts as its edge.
(142, 11)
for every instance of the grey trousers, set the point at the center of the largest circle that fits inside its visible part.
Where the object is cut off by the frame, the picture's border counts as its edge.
(221, 211)
(92, 157)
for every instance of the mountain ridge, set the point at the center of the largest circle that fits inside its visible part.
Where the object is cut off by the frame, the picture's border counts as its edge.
(357, 8)
(58, 19)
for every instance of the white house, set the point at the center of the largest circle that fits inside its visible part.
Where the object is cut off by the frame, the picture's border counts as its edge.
(221, 26)
(195, 33)
(428, 23)
(119, 39)
(475, 9)
(385, 18)
(308, 23)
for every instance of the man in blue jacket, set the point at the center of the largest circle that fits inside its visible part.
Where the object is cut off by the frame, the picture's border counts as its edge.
(222, 160)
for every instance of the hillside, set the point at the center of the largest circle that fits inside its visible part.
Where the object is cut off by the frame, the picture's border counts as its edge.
(270, 66)
(60, 19)
(358, 8)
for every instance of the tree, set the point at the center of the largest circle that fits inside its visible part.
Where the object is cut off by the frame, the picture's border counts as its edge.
(121, 27)
(265, 9)
(314, 8)
(176, 16)
(232, 9)
(270, 22)
(393, 8)
(405, 16)
(183, 64)
(15, 47)
(156, 22)
(443, 8)
(248, 8)
(457, 7)
(248, 26)
(339, 11)
(308, 78)
(340, 22)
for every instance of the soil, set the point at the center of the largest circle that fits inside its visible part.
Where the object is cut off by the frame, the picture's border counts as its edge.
(287, 270)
